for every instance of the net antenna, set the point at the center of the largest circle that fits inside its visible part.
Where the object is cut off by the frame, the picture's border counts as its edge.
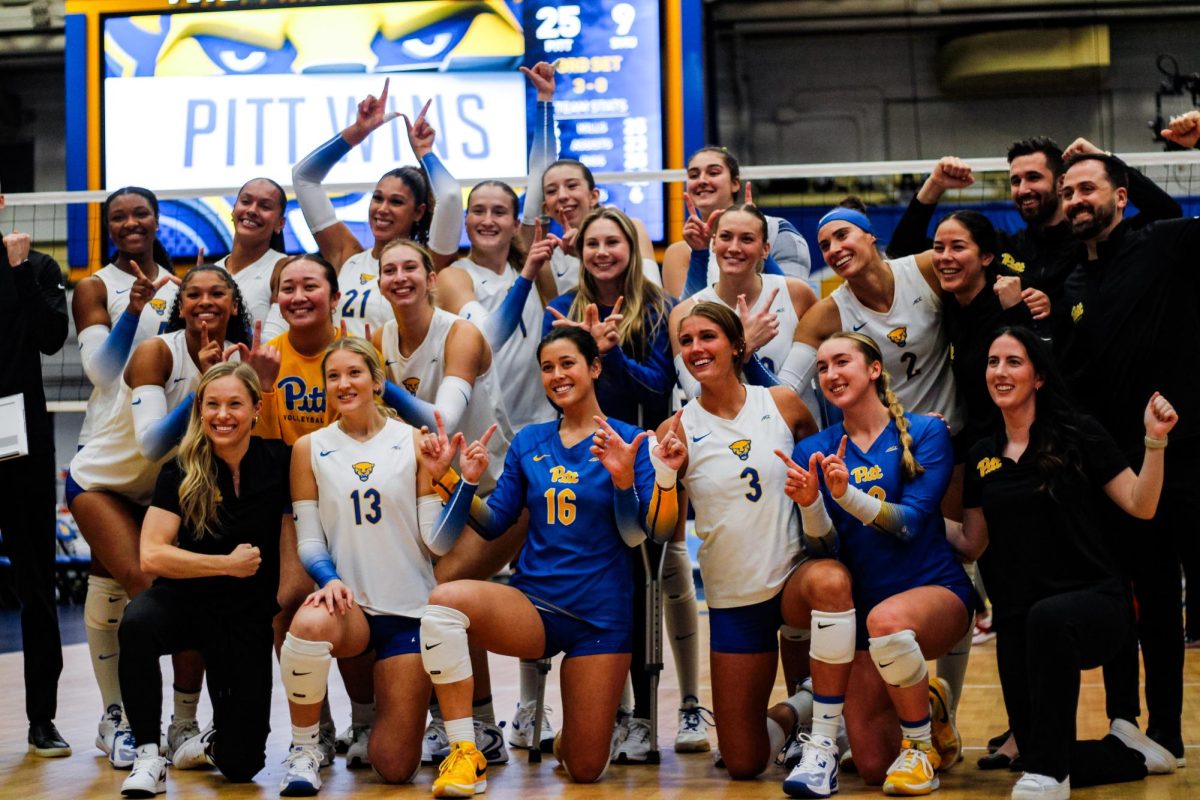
(1175, 85)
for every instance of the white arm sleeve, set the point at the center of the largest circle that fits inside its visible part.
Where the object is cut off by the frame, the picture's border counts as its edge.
(275, 324)
(451, 401)
(689, 385)
(91, 339)
(799, 367)
(149, 406)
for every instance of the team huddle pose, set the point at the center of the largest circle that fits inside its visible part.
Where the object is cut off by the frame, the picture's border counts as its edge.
(333, 455)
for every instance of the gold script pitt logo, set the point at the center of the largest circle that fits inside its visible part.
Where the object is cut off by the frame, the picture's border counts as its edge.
(563, 475)
(1010, 262)
(988, 465)
(862, 474)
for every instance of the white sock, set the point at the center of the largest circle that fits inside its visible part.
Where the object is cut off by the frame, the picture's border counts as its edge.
(102, 611)
(362, 713)
(460, 730)
(185, 705)
(306, 735)
(682, 619)
(920, 731)
(147, 750)
(527, 673)
(827, 715)
(776, 736)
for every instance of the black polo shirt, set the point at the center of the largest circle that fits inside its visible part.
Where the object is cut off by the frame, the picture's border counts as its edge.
(1135, 311)
(1042, 544)
(252, 517)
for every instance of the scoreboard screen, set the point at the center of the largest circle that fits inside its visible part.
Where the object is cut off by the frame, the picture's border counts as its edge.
(199, 93)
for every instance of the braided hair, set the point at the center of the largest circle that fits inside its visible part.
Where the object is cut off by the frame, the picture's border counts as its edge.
(883, 388)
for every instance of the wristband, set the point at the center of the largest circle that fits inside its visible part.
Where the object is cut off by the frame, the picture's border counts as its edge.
(815, 520)
(664, 476)
(1155, 444)
(860, 505)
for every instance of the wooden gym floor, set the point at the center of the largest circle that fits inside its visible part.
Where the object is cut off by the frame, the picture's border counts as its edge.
(86, 774)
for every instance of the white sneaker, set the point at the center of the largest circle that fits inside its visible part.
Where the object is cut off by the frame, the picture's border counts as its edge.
(147, 778)
(124, 749)
(195, 753)
(693, 729)
(1159, 760)
(436, 744)
(620, 731)
(303, 777)
(178, 733)
(107, 729)
(489, 740)
(327, 744)
(634, 747)
(816, 771)
(356, 746)
(1032, 786)
(520, 732)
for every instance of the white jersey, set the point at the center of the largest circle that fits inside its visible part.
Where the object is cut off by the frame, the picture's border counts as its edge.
(775, 351)
(151, 322)
(422, 373)
(254, 282)
(361, 303)
(366, 496)
(518, 372)
(111, 459)
(566, 271)
(910, 334)
(749, 528)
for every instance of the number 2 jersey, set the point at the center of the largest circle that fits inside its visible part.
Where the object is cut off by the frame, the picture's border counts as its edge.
(882, 564)
(574, 560)
(749, 528)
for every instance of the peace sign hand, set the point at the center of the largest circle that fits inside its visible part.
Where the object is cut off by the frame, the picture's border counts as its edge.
(671, 450)
(475, 457)
(542, 78)
(143, 289)
(437, 450)
(615, 454)
(260, 356)
(837, 475)
(569, 233)
(696, 232)
(760, 326)
(803, 486)
(420, 133)
(540, 251)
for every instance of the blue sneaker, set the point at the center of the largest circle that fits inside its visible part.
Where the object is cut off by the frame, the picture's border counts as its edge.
(816, 773)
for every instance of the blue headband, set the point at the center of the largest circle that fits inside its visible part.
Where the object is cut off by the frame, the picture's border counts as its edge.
(847, 215)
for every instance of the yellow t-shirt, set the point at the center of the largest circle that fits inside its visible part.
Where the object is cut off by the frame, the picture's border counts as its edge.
(297, 405)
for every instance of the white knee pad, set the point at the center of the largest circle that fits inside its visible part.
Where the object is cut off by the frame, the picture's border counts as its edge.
(444, 649)
(791, 634)
(304, 666)
(833, 636)
(104, 604)
(898, 659)
(678, 585)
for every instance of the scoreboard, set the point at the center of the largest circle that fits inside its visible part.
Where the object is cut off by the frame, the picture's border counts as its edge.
(191, 94)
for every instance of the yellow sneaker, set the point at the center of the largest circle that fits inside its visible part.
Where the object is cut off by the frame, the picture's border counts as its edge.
(463, 773)
(946, 740)
(914, 772)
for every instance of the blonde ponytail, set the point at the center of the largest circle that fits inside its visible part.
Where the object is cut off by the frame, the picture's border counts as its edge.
(912, 468)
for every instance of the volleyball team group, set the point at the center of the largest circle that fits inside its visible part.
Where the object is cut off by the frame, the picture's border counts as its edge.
(331, 456)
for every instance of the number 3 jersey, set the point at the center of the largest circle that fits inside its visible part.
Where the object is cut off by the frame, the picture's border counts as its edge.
(749, 528)
(367, 501)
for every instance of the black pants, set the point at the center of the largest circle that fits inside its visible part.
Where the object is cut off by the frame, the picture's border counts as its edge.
(237, 650)
(27, 519)
(1040, 656)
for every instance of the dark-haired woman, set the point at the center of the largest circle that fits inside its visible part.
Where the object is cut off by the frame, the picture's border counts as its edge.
(258, 217)
(211, 536)
(1031, 500)
(592, 492)
(713, 182)
(112, 477)
(420, 203)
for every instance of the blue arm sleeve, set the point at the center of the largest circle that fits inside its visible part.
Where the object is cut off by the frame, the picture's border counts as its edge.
(561, 304)
(757, 373)
(453, 518)
(506, 501)
(501, 324)
(413, 410)
(307, 175)
(625, 511)
(653, 377)
(165, 433)
(697, 274)
(770, 267)
(110, 359)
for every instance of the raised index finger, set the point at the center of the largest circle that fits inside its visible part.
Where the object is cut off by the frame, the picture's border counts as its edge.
(441, 427)
(384, 93)
(771, 299)
(841, 453)
(483, 440)
(691, 207)
(257, 339)
(203, 334)
(421, 117)
(616, 309)
(786, 459)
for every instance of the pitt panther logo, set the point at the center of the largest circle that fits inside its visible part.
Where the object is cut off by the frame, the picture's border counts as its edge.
(365, 278)
(159, 306)
(1010, 262)
(741, 448)
(898, 336)
(363, 470)
(563, 475)
(1076, 312)
(412, 384)
(872, 473)
(987, 466)
(298, 397)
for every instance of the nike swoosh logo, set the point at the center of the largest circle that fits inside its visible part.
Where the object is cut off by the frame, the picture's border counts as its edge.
(137, 402)
(118, 599)
(190, 702)
(107, 657)
(562, 274)
(688, 636)
(593, 458)
(698, 438)
(824, 626)
(389, 363)
(480, 772)
(431, 646)
(888, 664)
(538, 458)
(120, 291)
(860, 327)
(327, 452)
(61, 287)
(298, 674)
(179, 380)
(828, 716)
(892, 449)
(919, 299)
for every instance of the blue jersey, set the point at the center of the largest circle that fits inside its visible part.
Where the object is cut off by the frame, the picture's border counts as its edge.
(574, 560)
(881, 564)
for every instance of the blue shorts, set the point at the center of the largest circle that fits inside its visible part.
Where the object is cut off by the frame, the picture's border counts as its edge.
(394, 636)
(963, 590)
(746, 629)
(71, 489)
(574, 637)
